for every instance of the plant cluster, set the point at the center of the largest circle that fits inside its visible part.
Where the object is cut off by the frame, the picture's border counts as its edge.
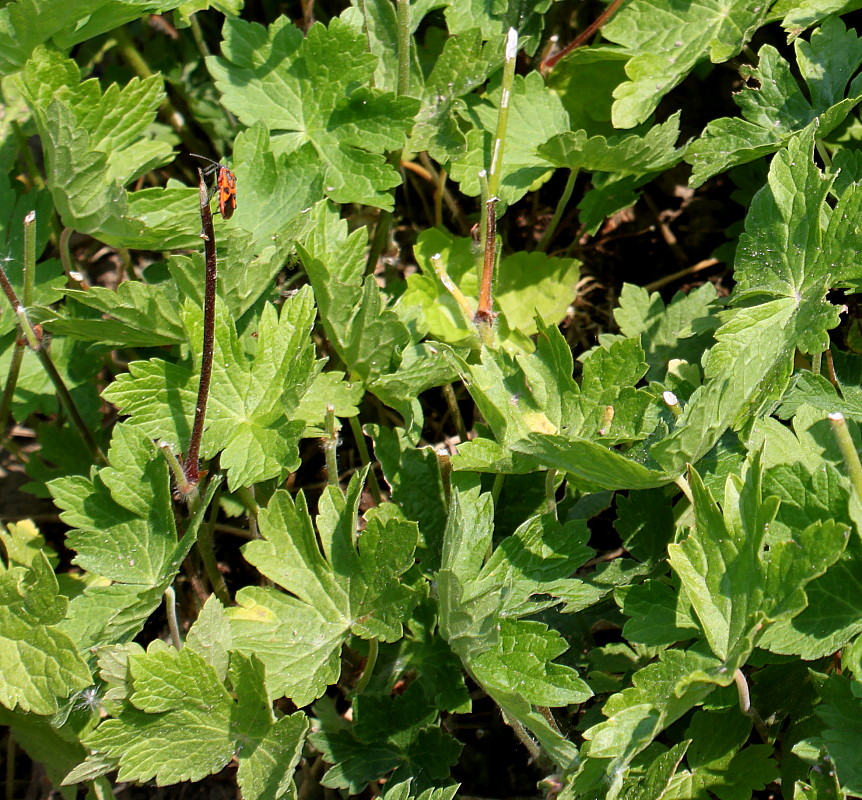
(641, 551)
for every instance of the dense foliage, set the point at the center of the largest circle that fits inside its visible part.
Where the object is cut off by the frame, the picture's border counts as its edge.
(457, 479)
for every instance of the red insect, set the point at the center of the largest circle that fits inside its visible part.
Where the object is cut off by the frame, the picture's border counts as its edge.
(225, 185)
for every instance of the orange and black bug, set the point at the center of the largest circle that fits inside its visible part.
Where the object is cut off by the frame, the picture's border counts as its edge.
(225, 185)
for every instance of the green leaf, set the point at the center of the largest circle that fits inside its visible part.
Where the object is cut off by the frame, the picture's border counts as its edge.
(677, 331)
(474, 596)
(666, 41)
(416, 486)
(122, 517)
(312, 91)
(495, 17)
(180, 723)
(737, 580)
(96, 143)
(774, 106)
(535, 115)
(275, 190)
(718, 761)
(333, 593)
(388, 733)
(462, 66)
(784, 267)
(528, 285)
(251, 407)
(840, 711)
(659, 695)
(135, 315)
(660, 614)
(39, 663)
(367, 336)
(27, 23)
(622, 154)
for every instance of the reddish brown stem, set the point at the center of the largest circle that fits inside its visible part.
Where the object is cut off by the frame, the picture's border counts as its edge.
(549, 63)
(484, 312)
(191, 466)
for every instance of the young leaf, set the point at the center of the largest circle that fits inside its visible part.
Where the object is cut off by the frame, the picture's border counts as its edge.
(775, 106)
(317, 99)
(39, 663)
(665, 42)
(736, 581)
(535, 115)
(333, 593)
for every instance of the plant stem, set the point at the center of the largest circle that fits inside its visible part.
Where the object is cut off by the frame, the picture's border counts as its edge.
(558, 212)
(499, 478)
(365, 457)
(198, 36)
(330, 446)
(452, 403)
(452, 287)
(523, 736)
(484, 317)
(371, 662)
(29, 257)
(191, 468)
(816, 363)
(403, 17)
(503, 114)
(206, 549)
(140, 67)
(9, 388)
(171, 612)
(848, 450)
(746, 707)
(551, 492)
(34, 340)
(549, 63)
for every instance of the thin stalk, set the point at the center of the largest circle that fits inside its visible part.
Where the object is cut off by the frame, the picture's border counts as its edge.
(549, 63)
(330, 446)
(848, 450)
(746, 707)
(672, 402)
(365, 457)
(206, 550)
(503, 114)
(246, 496)
(34, 340)
(191, 466)
(30, 168)
(29, 258)
(371, 662)
(182, 484)
(9, 388)
(378, 240)
(499, 478)
(523, 736)
(484, 197)
(823, 153)
(198, 36)
(558, 212)
(403, 17)
(367, 30)
(139, 66)
(452, 403)
(484, 317)
(816, 363)
(171, 613)
(451, 287)
(551, 491)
